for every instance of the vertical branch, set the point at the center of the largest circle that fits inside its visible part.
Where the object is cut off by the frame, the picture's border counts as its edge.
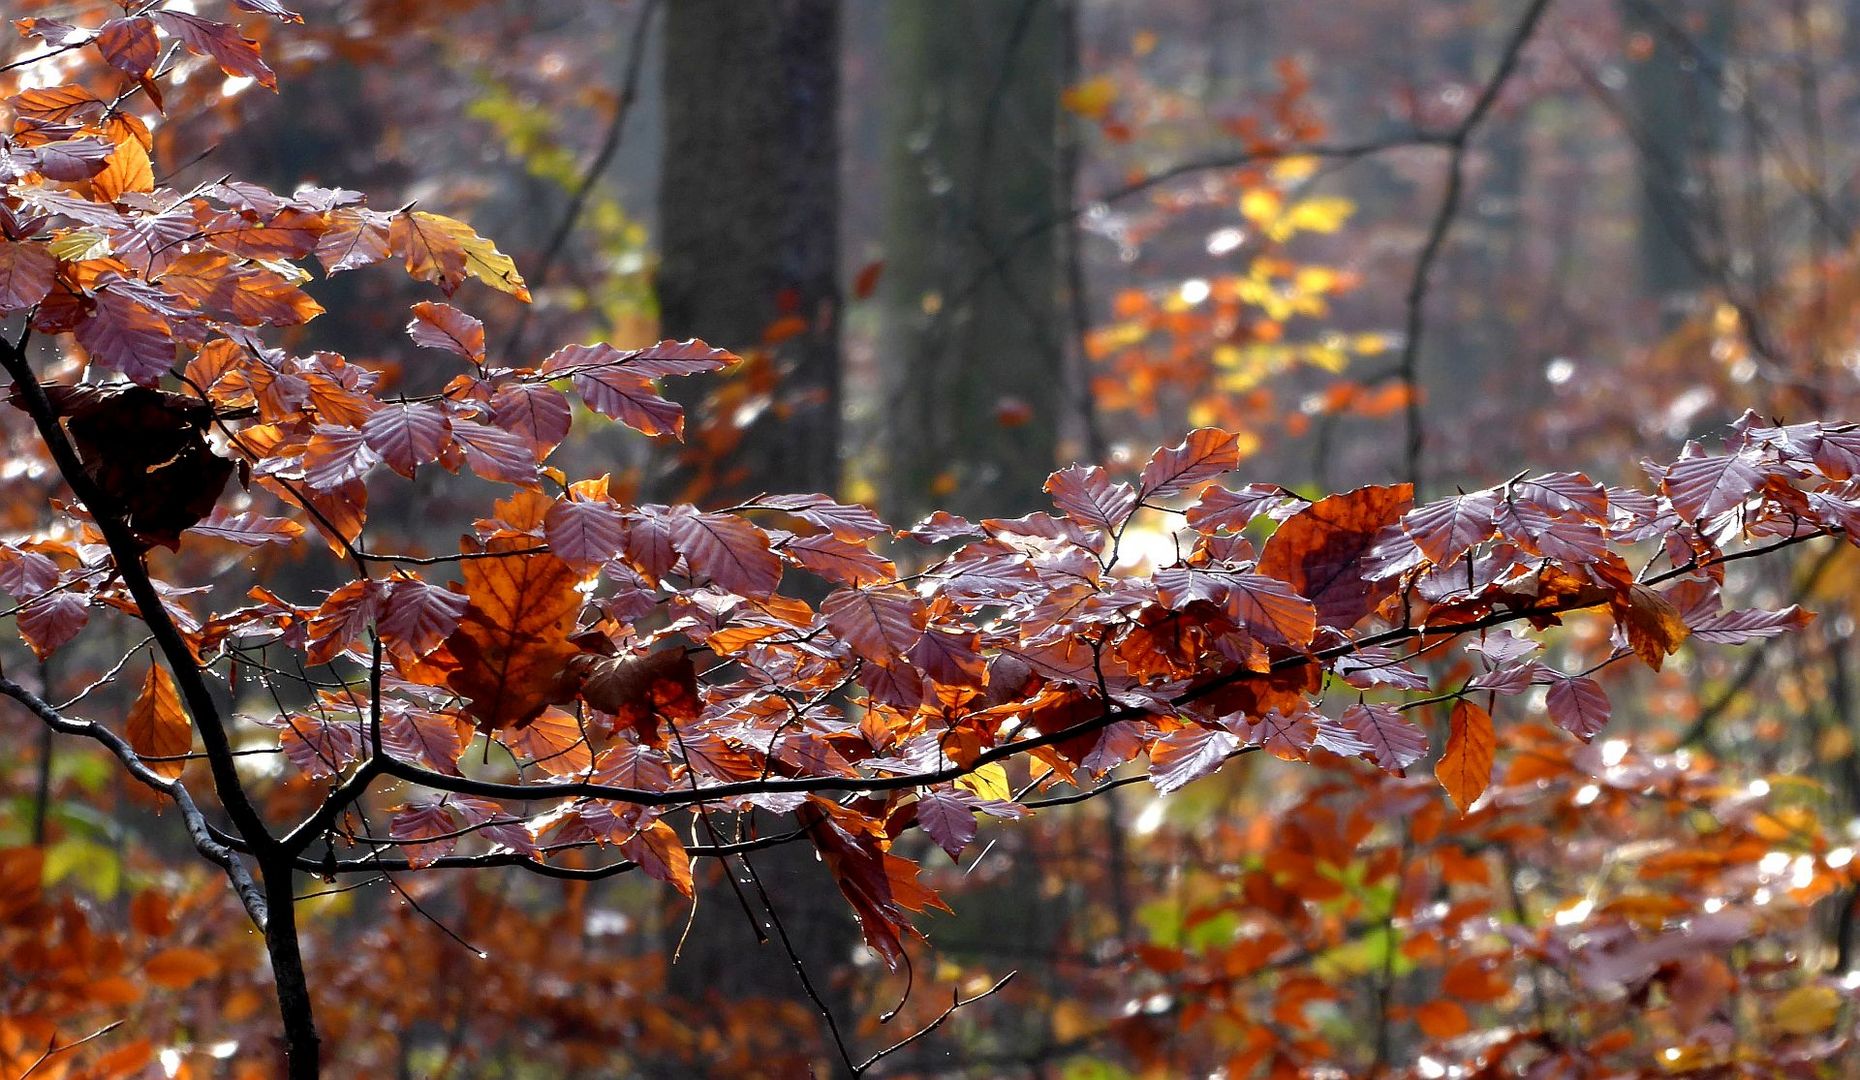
(1071, 157)
(273, 914)
(1457, 141)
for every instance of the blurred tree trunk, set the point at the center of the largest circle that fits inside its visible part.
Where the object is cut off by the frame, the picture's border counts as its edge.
(748, 216)
(973, 339)
(1679, 122)
(749, 220)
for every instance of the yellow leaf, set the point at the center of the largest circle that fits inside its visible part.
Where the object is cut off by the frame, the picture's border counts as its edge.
(1324, 214)
(988, 782)
(79, 245)
(158, 726)
(1091, 99)
(1806, 1010)
(1260, 205)
(446, 251)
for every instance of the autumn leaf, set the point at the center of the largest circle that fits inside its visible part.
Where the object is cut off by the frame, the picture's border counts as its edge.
(126, 170)
(419, 616)
(442, 326)
(1465, 766)
(446, 251)
(880, 625)
(1578, 705)
(247, 528)
(1704, 487)
(51, 620)
(512, 642)
(538, 414)
(727, 550)
(553, 741)
(1086, 494)
(236, 54)
(584, 533)
(947, 819)
(1650, 622)
(1203, 455)
(661, 855)
(1443, 530)
(640, 691)
(1394, 743)
(407, 435)
(425, 830)
(1319, 551)
(1187, 755)
(158, 727)
(630, 397)
(179, 968)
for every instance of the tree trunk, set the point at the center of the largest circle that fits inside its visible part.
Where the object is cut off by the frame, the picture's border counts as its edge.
(748, 216)
(748, 219)
(974, 346)
(1679, 122)
(302, 1047)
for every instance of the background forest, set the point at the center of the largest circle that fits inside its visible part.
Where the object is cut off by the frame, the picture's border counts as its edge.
(958, 245)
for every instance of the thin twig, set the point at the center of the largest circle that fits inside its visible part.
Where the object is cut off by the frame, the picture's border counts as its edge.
(1456, 143)
(610, 144)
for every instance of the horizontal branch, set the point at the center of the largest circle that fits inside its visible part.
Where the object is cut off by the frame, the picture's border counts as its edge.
(206, 839)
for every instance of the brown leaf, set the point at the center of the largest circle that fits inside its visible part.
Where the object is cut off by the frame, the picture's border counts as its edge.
(1578, 705)
(512, 642)
(146, 452)
(880, 625)
(1320, 549)
(1203, 455)
(639, 691)
(1650, 622)
(446, 251)
(659, 852)
(25, 276)
(1465, 766)
(236, 54)
(180, 968)
(442, 326)
(158, 727)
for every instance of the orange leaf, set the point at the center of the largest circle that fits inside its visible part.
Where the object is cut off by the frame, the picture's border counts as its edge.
(128, 169)
(1442, 1019)
(512, 642)
(158, 726)
(1465, 767)
(553, 741)
(1319, 551)
(788, 326)
(1652, 624)
(658, 851)
(179, 968)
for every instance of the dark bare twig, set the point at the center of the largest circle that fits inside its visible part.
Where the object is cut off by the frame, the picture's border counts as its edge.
(957, 1001)
(56, 1049)
(610, 144)
(203, 834)
(800, 969)
(1456, 143)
